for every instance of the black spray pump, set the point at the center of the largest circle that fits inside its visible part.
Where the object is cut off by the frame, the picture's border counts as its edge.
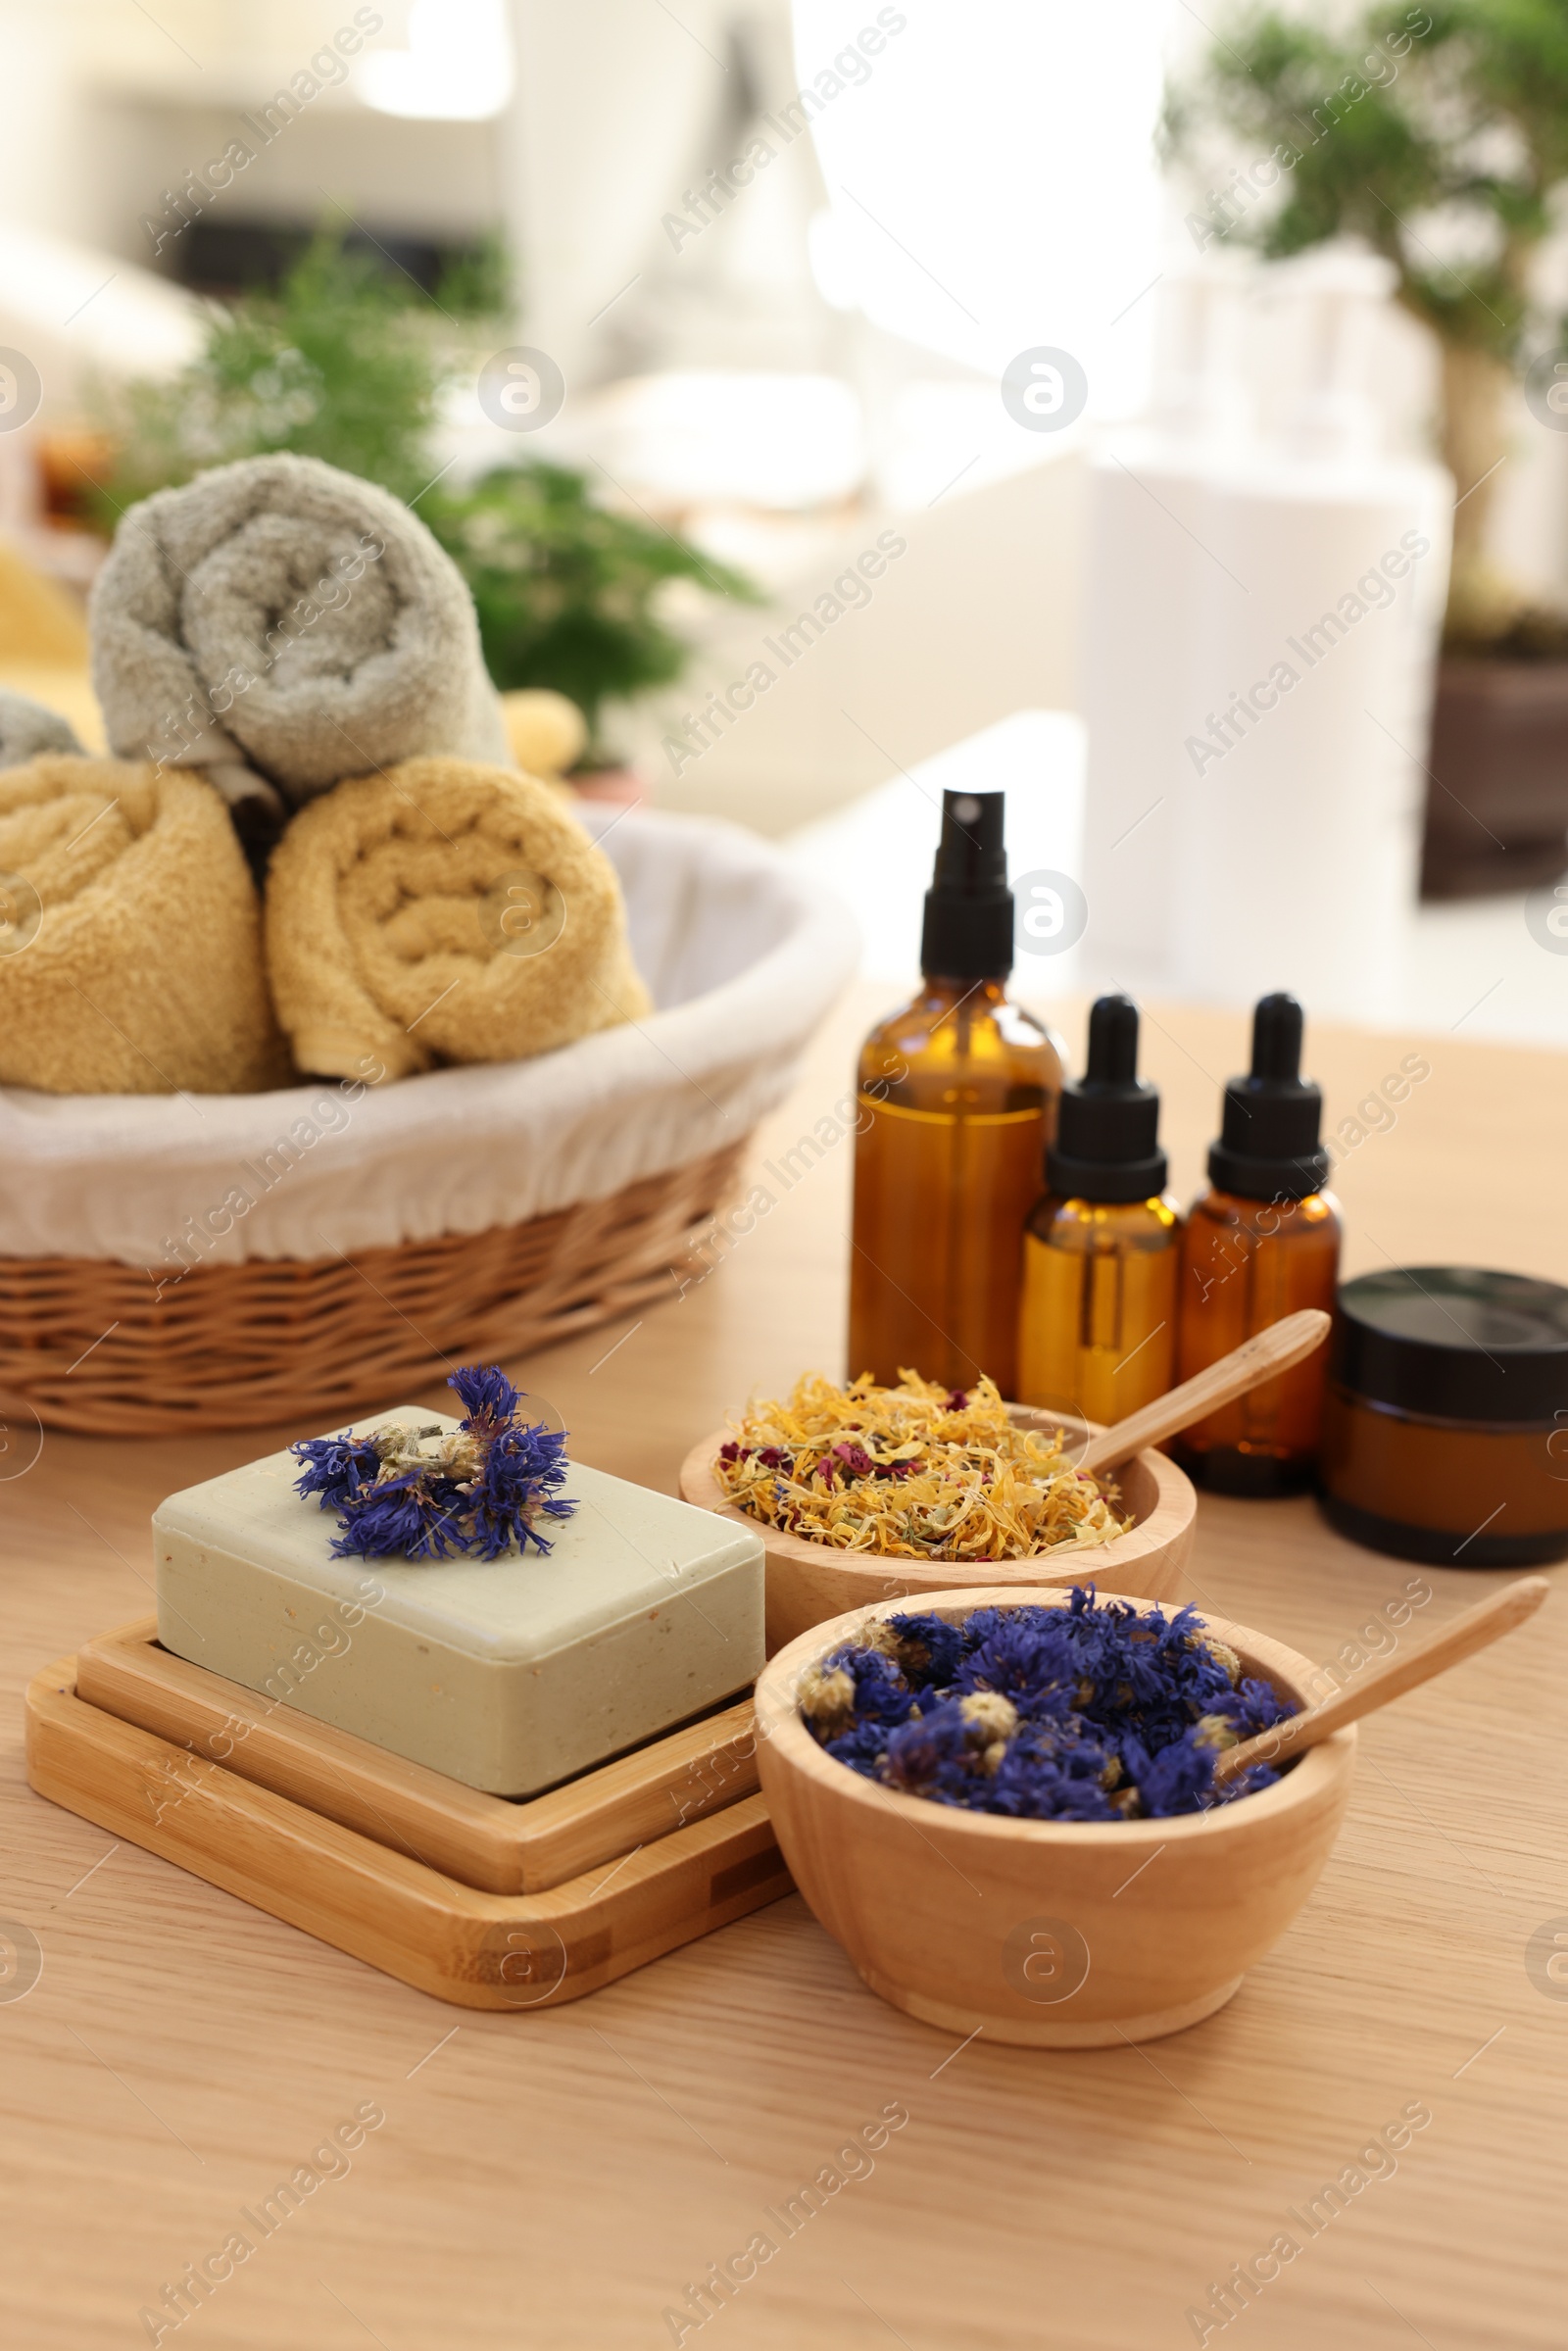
(1107, 1127)
(968, 907)
(1268, 1146)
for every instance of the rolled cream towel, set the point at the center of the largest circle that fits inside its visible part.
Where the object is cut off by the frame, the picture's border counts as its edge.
(548, 734)
(280, 619)
(443, 912)
(130, 951)
(27, 728)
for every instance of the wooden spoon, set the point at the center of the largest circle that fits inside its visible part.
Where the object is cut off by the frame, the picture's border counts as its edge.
(1247, 1366)
(1468, 1633)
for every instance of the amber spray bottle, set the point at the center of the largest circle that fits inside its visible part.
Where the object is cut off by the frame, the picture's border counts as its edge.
(1096, 1329)
(958, 1098)
(1260, 1243)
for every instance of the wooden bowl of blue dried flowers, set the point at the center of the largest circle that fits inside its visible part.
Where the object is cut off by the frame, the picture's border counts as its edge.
(1001, 1806)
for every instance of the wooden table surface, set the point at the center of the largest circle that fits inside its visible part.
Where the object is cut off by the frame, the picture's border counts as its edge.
(559, 2179)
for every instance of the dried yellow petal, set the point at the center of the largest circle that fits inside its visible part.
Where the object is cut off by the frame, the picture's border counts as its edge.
(913, 1473)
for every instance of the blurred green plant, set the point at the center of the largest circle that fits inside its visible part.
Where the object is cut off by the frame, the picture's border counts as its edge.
(570, 591)
(1438, 136)
(340, 364)
(347, 364)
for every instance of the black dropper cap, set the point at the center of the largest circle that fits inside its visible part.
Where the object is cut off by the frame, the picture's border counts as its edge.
(1268, 1146)
(1106, 1146)
(968, 907)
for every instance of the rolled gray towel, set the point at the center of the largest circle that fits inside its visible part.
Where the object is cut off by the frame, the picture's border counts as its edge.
(27, 728)
(281, 620)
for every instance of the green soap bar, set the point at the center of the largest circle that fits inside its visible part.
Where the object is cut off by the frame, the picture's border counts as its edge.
(508, 1674)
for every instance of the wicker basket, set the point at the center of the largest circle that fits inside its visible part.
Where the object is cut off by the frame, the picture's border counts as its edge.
(88, 1345)
(466, 1214)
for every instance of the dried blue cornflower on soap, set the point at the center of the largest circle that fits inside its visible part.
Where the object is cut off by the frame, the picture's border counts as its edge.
(427, 1493)
(1086, 1711)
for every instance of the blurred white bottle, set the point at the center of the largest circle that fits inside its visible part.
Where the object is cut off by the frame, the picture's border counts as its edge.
(1143, 606)
(1304, 740)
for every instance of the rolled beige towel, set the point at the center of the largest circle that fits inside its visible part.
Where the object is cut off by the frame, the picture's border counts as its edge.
(130, 951)
(280, 619)
(443, 912)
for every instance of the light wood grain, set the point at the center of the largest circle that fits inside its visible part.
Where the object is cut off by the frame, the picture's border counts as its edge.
(811, 1582)
(1476, 1629)
(1258, 1359)
(560, 2180)
(485, 1841)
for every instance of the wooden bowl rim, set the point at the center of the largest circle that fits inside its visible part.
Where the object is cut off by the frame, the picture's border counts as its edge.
(780, 1730)
(1175, 1508)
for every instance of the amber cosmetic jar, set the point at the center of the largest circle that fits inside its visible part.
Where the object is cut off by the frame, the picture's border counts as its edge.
(1446, 1417)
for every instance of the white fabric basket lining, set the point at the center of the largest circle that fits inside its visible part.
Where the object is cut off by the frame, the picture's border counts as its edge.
(743, 958)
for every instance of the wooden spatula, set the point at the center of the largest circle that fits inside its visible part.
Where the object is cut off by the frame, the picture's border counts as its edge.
(1247, 1366)
(1486, 1622)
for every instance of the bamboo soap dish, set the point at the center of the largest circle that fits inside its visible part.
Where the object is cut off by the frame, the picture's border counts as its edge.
(473, 1898)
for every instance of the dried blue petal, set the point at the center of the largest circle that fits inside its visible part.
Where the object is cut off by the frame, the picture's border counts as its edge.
(474, 1501)
(1042, 1780)
(1251, 1708)
(1116, 1710)
(862, 1749)
(881, 1692)
(487, 1392)
(929, 1648)
(919, 1748)
(1178, 1778)
(335, 1467)
(1033, 1664)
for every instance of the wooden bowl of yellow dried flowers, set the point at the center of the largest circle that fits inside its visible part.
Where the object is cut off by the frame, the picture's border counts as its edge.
(864, 1494)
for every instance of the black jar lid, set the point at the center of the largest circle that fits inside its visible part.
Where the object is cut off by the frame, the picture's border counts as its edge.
(1455, 1342)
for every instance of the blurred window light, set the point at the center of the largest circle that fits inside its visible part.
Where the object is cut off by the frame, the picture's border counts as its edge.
(457, 65)
(832, 261)
(784, 442)
(887, 838)
(78, 311)
(940, 435)
(994, 183)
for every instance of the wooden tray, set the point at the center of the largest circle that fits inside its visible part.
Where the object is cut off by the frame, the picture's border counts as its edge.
(458, 1942)
(491, 1842)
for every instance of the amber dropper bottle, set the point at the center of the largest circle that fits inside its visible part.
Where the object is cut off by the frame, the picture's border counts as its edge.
(1096, 1332)
(1260, 1243)
(958, 1098)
